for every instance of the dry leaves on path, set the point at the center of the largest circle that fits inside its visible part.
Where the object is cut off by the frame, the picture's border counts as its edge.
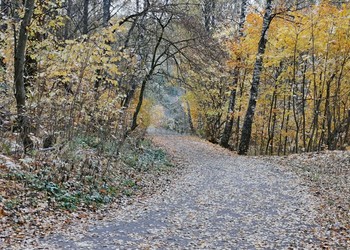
(328, 176)
(221, 201)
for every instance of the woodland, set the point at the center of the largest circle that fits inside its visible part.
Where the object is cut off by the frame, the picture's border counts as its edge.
(81, 81)
(272, 77)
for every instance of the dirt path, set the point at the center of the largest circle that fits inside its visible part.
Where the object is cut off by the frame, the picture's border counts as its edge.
(222, 201)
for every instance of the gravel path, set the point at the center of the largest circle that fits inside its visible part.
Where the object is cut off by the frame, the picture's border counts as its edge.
(222, 201)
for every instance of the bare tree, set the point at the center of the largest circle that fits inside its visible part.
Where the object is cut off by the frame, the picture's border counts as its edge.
(157, 58)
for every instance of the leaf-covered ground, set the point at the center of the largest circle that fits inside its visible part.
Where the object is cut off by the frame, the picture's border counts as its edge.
(327, 174)
(49, 191)
(221, 201)
(217, 201)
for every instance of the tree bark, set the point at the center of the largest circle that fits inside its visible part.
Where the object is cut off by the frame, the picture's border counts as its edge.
(189, 116)
(303, 111)
(106, 12)
(139, 104)
(229, 119)
(209, 15)
(249, 117)
(20, 94)
(287, 125)
(272, 120)
(68, 21)
(154, 64)
(347, 129)
(86, 17)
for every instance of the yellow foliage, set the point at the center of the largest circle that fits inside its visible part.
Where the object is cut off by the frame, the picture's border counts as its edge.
(144, 119)
(157, 118)
(308, 52)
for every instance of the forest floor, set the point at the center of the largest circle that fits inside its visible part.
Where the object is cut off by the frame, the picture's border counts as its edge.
(327, 175)
(219, 200)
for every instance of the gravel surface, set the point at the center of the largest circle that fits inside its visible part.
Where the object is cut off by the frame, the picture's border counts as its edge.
(221, 201)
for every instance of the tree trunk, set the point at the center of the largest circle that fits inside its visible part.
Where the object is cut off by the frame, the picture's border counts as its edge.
(68, 21)
(347, 130)
(23, 120)
(106, 12)
(154, 65)
(295, 116)
(295, 94)
(282, 126)
(190, 122)
(139, 104)
(287, 124)
(328, 115)
(272, 119)
(304, 94)
(249, 117)
(229, 120)
(86, 17)
(209, 14)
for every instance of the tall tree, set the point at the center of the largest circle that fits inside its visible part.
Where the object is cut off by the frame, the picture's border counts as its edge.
(20, 94)
(249, 117)
(231, 106)
(156, 61)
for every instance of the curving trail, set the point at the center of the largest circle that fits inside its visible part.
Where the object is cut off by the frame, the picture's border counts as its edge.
(221, 201)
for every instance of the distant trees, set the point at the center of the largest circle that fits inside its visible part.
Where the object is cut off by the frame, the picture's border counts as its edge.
(151, 36)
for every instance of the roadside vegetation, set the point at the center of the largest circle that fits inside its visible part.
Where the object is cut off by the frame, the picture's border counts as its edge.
(50, 189)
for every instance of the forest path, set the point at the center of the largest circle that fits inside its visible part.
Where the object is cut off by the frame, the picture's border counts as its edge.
(221, 201)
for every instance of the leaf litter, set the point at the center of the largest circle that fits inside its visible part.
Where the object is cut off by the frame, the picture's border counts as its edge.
(327, 175)
(220, 201)
(37, 198)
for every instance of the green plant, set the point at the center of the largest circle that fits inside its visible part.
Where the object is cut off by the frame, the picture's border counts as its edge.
(5, 148)
(11, 204)
(129, 183)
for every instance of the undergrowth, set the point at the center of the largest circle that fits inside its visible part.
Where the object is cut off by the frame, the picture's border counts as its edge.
(86, 172)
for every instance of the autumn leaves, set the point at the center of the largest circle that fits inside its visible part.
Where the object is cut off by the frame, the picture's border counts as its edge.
(303, 100)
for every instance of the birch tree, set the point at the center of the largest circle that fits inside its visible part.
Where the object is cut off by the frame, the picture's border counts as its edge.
(232, 99)
(249, 117)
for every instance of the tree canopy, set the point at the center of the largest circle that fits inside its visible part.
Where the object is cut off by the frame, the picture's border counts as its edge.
(269, 77)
